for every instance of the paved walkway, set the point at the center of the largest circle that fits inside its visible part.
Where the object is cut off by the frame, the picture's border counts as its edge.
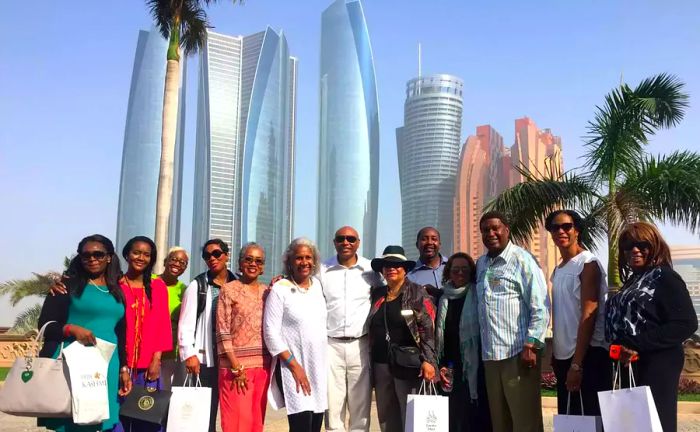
(277, 422)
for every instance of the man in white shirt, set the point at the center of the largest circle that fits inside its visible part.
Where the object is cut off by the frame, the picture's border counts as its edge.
(347, 279)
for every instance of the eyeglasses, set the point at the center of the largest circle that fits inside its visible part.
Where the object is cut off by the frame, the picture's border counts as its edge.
(641, 245)
(98, 255)
(341, 239)
(216, 254)
(461, 269)
(395, 264)
(566, 227)
(178, 261)
(253, 260)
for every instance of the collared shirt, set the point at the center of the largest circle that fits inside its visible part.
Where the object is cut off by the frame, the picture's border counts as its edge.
(347, 293)
(423, 274)
(196, 335)
(512, 301)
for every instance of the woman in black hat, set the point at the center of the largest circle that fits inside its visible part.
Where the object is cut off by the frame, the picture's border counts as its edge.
(401, 337)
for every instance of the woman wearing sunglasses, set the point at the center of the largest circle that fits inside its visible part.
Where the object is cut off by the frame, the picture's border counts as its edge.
(580, 356)
(244, 362)
(92, 306)
(651, 316)
(148, 331)
(457, 345)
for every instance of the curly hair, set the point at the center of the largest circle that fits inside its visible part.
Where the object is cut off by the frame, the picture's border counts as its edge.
(288, 256)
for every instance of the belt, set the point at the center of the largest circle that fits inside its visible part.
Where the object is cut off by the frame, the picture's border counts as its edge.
(346, 338)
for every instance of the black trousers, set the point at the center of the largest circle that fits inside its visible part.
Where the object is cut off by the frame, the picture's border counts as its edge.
(661, 370)
(210, 378)
(305, 421)
(597, 376)
(467, 415)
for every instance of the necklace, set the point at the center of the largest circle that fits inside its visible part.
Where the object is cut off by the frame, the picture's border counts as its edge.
(299, 287)
(90, 282)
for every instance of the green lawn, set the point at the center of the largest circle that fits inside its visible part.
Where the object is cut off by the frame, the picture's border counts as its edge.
(3, 373)
(681, 397)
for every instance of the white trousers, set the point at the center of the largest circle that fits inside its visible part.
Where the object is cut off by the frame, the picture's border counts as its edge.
(349, 384)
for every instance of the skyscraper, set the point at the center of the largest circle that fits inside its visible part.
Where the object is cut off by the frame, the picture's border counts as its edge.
(428, 151)
(244, 162)
(686, 261)
(349, 128)
(487, 167)
(138, 186)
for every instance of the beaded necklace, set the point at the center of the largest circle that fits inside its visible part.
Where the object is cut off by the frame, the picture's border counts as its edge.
(138, 324)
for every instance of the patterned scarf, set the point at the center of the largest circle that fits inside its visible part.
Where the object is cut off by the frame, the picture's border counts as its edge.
(469, 340)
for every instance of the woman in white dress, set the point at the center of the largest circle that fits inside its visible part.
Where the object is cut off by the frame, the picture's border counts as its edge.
(295, 334)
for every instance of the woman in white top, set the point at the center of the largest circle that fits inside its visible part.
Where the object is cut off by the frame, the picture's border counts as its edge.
(580, 359)
(294, 329)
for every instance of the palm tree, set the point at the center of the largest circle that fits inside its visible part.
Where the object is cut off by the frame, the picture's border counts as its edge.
(184, 23)
(619, 183)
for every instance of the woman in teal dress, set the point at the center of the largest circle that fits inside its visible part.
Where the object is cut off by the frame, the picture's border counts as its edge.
(93, 307)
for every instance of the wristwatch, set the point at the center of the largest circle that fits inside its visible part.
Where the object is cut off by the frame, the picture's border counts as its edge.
(575, 367)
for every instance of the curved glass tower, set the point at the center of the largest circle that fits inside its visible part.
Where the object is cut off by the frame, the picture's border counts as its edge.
(244, 161)
(138, 186)
(428, 147)
(349, 128)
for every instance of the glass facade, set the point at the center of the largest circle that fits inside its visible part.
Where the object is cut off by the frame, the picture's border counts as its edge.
(245, 145)
(138, 186)
(428, 149)
(349, 128)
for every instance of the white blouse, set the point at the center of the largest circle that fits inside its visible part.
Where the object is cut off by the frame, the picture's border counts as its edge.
(566, 305)
(295, 321)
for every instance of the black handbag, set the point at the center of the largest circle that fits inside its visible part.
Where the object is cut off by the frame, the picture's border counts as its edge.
(403, 356)
(147, 404)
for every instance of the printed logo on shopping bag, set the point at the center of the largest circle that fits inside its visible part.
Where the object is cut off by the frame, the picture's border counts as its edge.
(93, 380)
(146, 402)
(431, 422)
(186, 410)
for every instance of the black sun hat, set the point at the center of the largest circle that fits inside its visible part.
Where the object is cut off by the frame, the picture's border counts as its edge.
(392, 254)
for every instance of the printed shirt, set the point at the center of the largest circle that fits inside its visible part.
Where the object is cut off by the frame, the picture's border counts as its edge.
(347, 293)
(423, 274)
(239, 320)
(512, 302)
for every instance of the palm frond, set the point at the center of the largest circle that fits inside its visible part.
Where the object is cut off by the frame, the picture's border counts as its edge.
(527, 204)
(193, 27)
(26, 321)
(163, 13)
(669, 188)
(621, 128)
(19, 289)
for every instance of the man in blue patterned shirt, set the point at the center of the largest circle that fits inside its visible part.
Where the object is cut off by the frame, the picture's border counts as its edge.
(513, 318)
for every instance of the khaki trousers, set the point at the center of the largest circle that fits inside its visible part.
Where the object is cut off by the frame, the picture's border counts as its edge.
(349, 384)
(514, 395)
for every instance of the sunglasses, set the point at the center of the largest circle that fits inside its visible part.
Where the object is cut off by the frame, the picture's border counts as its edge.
(461, 269)
(566, 227)
(350, 239)
(98, 255)
(253, 260)
(641, 245)
(216, 254)
(394, 265)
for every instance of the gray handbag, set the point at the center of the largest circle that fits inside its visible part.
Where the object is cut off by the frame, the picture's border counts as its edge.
(37, 386)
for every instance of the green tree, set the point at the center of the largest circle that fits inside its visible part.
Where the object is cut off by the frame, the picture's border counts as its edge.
(184, 23)
(620, 182)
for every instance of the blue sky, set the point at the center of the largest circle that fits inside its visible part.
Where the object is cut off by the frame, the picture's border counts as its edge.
(65, 72)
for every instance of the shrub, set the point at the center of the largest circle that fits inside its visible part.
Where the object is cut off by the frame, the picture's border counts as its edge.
(688, 386)
(549, 381)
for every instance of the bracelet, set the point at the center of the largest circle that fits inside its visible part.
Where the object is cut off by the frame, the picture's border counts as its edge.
(289, 359)
(66, 330)
(237, 371)
(125, 369)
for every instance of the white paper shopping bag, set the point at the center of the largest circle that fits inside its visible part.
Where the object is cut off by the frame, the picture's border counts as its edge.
(427, 411)
(87, 367)
(629, 409)
(576, 423)
(189, 408)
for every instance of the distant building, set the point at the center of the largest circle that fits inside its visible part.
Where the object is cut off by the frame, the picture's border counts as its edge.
(348, 176)
(244, 157)
(138, 185)
(686, 261)
(428, 146)
(487, 167)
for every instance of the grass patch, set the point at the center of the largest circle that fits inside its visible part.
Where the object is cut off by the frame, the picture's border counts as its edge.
(687, 397)
(3, 373)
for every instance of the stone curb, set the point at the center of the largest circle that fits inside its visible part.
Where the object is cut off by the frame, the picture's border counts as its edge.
(550, 403)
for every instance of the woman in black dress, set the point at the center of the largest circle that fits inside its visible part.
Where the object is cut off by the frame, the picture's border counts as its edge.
(651, 316)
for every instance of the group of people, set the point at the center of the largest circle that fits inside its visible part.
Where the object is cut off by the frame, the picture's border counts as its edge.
(323, 335)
